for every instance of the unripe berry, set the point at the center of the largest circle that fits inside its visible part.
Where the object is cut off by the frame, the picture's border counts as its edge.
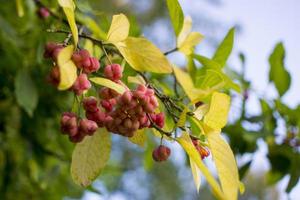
(43, 13)
(81, 84)
(90, 104)
(87, 127)
(69, 123)
(161, 153)
(113, 72)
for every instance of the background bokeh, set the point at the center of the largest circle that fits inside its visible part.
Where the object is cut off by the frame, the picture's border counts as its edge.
(35, 157)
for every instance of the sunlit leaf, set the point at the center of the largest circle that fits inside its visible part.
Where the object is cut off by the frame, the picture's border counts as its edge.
(176, 15)
(67, 68)
(136, 79)
(225, 48)
(69, 7)
(119, 29)
(193, 154)
(201, 111)
(278, 74)
(90, 157)
(182, 117)
(196, 174)
(187, 84)
(139, 138)
(217, 114)
(108, 83)
(225, 163)
(185, 31)
(26, 91)
(142, 55)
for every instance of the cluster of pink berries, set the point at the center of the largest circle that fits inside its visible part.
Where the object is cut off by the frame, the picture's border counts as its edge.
(204, 152)
(82, 60)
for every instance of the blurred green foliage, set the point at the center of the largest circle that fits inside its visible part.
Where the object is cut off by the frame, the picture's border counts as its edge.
(35, 158)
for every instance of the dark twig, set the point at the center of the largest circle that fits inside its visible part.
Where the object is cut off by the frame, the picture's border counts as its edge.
(170, 51)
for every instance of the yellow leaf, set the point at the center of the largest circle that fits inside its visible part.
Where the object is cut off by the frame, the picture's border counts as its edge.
(188, 86)
(196, 174)
(201, 111)
(119, 29)
(108, 83)
(187, 47)
(142, 55)
(89, 45)
(188, 146)
(216, 117)
(182, 118)
(139, 138)
(69, 7)
(136, 79)
(185, 31)
(187, 40)
(90, 157)
(67, 68)
(20, 8)
(225, 163)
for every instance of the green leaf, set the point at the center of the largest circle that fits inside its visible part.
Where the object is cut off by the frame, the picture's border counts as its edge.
(142, 55)
(108, 83)
(225, 48)
(25, 91)
(90, 157)
(176, 15)
(69, 7)
(278, 74)
(119, 29)
(67, 68)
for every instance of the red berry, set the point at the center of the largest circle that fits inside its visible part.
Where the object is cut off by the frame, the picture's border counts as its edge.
(69, 123)
(90, 104)
(113, 72)
(87, 127)
(161, 153)
(43, 12)
(81, 84)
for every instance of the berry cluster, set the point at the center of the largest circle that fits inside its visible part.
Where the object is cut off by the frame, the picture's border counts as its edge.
(204, 152)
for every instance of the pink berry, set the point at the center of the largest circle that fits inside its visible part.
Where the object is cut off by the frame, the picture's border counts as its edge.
(87, 127)
(69, 123)
(81, 84)
(43, 12)
(113, 72)
(90, 104)
(161, 153)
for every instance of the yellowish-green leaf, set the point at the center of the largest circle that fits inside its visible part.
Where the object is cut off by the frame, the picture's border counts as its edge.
(108, 83)
(176, 15)
(88, 45)
(185, 31)
(182, 117)
(242, 187)
(20, 8)
(119, 29)
(188, 45)
(201, 111)
(90, 157)
(139, 138)
(69, 7)
(196, 174)
(136, 79)
(67, 68)
(187, 144)
(225, 163)
(217, 115)
(92, 25)
(187, 84)
(142, 55)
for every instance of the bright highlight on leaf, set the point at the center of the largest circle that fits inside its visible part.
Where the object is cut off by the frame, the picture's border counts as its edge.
(176, 15)
(142, 55)
(196, 174)
(90, 157)
(217, 114)
(225, 163)
(193, 154)
(108, 83)
(139, 138)
(69, 7)
(187, 40)
(119, 29)
(20, 8)
(67, 68)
